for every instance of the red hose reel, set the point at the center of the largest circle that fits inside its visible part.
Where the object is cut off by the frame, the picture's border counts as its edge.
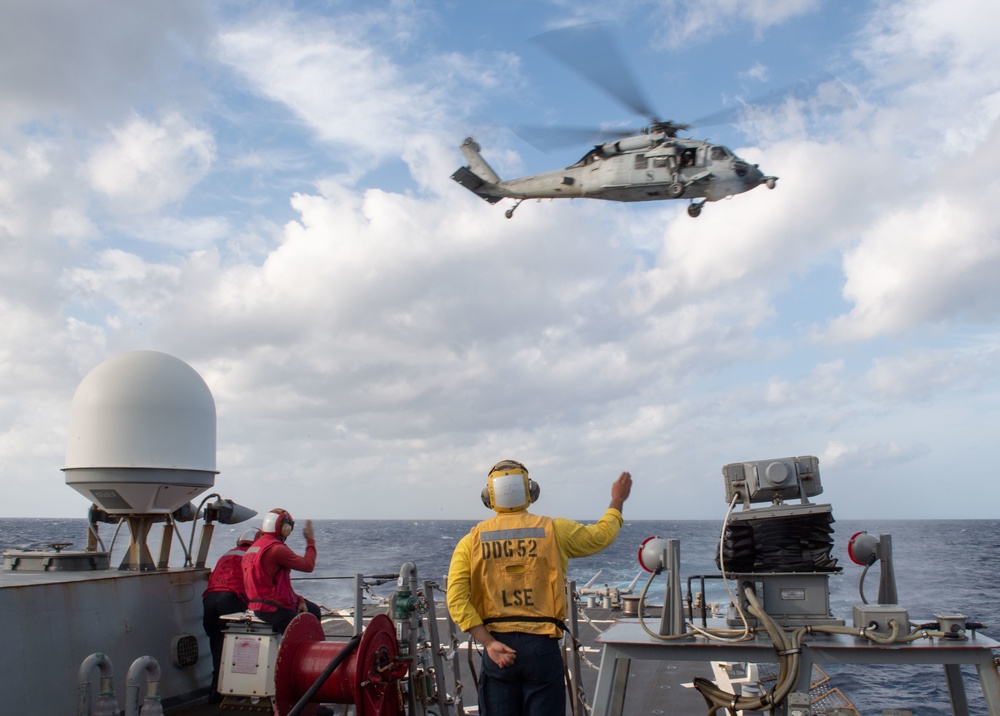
(368, 677)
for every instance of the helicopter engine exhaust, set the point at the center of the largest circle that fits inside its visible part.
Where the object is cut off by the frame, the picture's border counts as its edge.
(629, 144)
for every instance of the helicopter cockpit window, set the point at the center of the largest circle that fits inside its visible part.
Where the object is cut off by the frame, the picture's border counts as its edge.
(589, 158)
(641, 162)
(718, 153)
(659, 162)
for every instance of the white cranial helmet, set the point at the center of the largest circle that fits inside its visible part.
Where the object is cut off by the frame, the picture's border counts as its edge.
(508, 487)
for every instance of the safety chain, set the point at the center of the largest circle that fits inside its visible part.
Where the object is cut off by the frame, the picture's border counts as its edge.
(589, 663)
(583, 615)
(448, 652)
(370, 591)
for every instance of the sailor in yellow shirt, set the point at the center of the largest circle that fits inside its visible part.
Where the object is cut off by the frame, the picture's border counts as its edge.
(506, 587)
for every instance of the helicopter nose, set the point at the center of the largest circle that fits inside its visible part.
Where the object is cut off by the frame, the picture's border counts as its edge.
(749, 173)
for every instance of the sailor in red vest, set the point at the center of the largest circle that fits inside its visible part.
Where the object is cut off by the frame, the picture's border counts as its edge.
(225, 595)
(267, 569)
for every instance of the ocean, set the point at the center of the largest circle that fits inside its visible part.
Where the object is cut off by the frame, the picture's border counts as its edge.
(941, 566)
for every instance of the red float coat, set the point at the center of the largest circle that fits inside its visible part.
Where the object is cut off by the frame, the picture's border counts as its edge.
(227, 576)
(268, 592)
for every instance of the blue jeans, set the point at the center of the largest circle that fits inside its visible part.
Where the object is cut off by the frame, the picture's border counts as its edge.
(533, 686)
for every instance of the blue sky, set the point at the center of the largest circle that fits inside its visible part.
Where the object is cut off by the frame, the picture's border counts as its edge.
(262, 190)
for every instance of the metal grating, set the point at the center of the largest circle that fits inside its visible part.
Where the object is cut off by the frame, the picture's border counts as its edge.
(825, 698)
(184, 650)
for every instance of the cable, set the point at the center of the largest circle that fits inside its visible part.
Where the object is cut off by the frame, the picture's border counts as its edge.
(177, 529)
(92, 528)
(861, 583)
(724, 635)
(642, 622)
(789, 660)
(721, 635)
(114, 538)
(722, 565)
(194, 522)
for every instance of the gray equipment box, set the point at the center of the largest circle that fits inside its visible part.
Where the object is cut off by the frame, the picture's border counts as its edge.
(783, 478)
(790, 598)
(879, 616)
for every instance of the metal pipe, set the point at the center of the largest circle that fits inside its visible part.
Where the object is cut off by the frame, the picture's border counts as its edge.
(439, 683)
(573, 644)
(359, 604)
(408, 581)
(106, 703)
(206, 534)
(456, 663)
(148, 667)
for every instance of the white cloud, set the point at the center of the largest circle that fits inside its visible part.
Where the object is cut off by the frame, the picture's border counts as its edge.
(927, 264)
(131, 289)
(185, 233)
(346, 88)
(84, 62)
(149, 164)
(757, 72)
(688, 23)
(929, 240)
(359, 340)
(920, 376)
(870, 457)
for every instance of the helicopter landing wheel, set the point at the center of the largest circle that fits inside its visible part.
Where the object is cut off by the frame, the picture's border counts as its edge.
(771, 181)
(694, 210)
(675, 189)
(510, 212)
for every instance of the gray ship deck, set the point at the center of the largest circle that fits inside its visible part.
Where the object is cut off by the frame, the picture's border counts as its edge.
(654, 678)
(654, 687)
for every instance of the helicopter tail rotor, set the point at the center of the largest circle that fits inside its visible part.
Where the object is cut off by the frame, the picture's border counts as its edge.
(479, 177)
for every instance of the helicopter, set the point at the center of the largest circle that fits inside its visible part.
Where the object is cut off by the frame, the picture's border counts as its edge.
(648, 164)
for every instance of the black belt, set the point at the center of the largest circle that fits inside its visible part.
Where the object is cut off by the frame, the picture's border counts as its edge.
(546, 620)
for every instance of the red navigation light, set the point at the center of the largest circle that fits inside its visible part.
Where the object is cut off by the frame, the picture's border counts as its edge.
(862, 548)
(651, 554)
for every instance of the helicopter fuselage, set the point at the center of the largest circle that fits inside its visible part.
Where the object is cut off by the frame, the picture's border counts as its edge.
(647, 167)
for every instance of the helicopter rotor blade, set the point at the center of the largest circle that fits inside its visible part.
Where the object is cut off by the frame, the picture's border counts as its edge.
(803, 90)
(590, 50)
(547, 137)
